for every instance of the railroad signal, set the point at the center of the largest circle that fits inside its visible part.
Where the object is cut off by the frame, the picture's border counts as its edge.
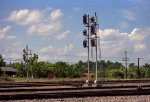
(93, 29)
(91, 37)
(24, 51)
(24, 57)
(93, 20)
(93, 42)
(85, 19)
(85, 43)
(85, 32)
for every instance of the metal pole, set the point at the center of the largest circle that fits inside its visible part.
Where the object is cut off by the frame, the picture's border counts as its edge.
(126, 62)
(96, 81)
(96, 63)
(27, 62)
(88, 50)
(138, 68)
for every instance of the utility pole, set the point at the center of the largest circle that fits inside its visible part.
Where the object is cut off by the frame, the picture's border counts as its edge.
(27, 62)
(126, 62)
(139, 68)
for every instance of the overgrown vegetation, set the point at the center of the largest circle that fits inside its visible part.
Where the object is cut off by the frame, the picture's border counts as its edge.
(5, 77)
(110, 70)
(106, 69)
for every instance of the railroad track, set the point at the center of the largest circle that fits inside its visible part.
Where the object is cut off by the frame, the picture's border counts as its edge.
(40, 90)
(74, 93)
(64, 83)
(38, 84)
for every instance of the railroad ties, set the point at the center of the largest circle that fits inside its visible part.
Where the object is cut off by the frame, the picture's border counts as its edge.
(42, 90)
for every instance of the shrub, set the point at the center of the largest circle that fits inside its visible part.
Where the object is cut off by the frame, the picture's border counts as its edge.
(5, 77)
(115, 73)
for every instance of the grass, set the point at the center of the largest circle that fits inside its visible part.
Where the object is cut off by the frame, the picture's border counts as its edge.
(18, 79)
(47, 80)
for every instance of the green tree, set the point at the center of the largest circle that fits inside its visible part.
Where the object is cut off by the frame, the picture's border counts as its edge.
(146, 69)
(21, 72)
(61, 68)
(32, 62)
(117, 73)
(40, 69)
(2, 62)
(132, 71)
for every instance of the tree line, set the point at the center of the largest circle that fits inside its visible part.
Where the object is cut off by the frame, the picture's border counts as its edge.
(106, 69)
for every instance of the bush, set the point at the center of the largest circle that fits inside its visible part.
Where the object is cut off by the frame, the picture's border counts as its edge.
(115, 73)
(5, 77)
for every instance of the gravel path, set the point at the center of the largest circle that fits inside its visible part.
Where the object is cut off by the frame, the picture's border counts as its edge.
(142, 98)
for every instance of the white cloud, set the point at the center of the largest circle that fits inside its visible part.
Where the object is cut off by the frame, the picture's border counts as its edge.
(63, 35)
(139, 38)
(65, 49)
(46, 49)
(139, 47)
(112, 35)
(49, 26)
(44, 29)
(51, 52)
(139, 34)
(114, 42)
(25, 17)
(4, 31)
(83, 54)
(12, 52)
(56, 15)
(41, 22)
(57, 50)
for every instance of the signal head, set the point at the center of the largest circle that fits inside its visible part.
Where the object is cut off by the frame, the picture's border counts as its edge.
(93, 20)
(85, 43)
(93, 42)
(85, 19)
(93, 29)
(24, 57)
(85, 32)
(24, 50)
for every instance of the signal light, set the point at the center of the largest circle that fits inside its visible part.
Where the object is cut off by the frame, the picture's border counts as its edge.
(24, 50)
(93, 20)
(85, 32)
(85, 43)
(85, 19)
(24, 57)
(93, 42)
(93, 30)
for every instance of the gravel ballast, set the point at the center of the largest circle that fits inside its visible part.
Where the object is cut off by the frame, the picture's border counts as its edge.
(141, 98)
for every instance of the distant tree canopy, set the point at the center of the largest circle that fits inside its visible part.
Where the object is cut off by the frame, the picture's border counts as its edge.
(61, 69)
(2, 62)
(106, 69)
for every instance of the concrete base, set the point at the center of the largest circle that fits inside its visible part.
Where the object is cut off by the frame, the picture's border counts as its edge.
(87, 85)
(87, 81)
(97, 85)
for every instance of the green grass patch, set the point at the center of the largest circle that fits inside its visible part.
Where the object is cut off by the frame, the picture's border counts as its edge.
(47, 80)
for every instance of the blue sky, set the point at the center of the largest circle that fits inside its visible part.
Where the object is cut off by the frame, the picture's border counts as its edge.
(53, 28)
